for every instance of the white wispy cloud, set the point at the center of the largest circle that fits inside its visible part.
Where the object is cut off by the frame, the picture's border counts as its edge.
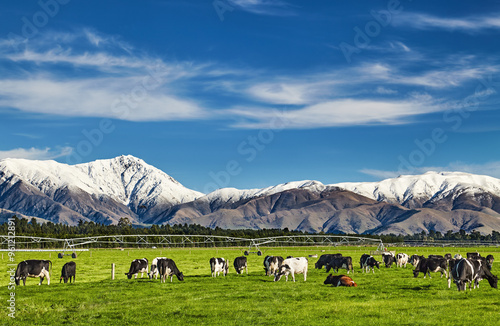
(104, 80)
(36, 153)
(427, 22)
(123, 98)
(489, 168)
(264, 7)
(335, 113)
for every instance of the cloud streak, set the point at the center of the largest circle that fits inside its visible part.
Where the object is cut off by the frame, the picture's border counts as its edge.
(264, 7)
(430, 22)
(36, 153)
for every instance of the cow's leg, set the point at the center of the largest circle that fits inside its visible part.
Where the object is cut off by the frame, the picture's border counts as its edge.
(24, 281)
(48, 277)
(41, 280)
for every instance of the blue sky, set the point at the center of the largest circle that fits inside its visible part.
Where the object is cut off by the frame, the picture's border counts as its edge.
(252, 93)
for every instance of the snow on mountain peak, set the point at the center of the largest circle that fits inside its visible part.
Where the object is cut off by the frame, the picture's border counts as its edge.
(428, 185)
(126, 179)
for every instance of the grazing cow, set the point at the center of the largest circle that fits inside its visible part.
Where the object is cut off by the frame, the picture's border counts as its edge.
(468, 271)
(68, 271)
(389, 259)
(137, 266)
(401, 259)
(339, 280)
(428, 265)
(370, 262)
(240, 263)
(473, 255)
(341, 262)
(167, 267)
(362, 260)
(33, 268)
(272, 264)
(414, 259)
(292, 266)
(486, 261)
(325, 259)
(218, 265)
(154, 268)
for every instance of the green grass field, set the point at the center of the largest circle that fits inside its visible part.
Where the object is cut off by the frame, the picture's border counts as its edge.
(388, 297)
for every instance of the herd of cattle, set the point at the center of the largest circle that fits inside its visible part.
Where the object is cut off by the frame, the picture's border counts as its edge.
(460, 270)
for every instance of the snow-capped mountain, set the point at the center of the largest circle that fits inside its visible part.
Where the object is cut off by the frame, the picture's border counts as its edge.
(416, 190)
(124, 185)
(106, 190)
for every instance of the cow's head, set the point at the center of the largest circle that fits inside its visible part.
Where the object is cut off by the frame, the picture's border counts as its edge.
(129, 276)
(317, 265)
(18, 280)
(493, 280)
(180, 276)
(415, 273)
(283, 270)
(329, 279)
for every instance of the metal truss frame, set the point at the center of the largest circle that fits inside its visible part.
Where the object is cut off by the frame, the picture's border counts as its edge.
(195, 240)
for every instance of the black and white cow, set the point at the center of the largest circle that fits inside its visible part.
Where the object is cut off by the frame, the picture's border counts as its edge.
(341, 262)
(470, 271)
(473, 255)
(401, 259)
(137, 266)
(218, 265)
(363, 259)
(272, 264)
(414, 260)
(154, 268)
(389, 259)
(240, 264)
(428, 265)
(298, 265)
(68, 271)
(339, 280)
(33, 268)
(166, 267)
(370, 262)
(325, 259)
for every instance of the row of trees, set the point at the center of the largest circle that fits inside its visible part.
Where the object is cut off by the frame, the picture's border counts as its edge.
(124, 227)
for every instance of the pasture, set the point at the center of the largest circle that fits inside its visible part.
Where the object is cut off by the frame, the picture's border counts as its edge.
(390, 296)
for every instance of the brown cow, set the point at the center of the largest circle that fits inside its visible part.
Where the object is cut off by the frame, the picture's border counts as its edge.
(339, 280)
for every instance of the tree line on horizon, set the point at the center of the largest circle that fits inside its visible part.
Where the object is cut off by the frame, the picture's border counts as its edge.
(24, 227)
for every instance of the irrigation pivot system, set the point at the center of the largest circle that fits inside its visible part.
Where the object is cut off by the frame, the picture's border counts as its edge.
(31, 243)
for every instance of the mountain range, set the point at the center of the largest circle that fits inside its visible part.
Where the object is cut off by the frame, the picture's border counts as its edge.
(104, 191)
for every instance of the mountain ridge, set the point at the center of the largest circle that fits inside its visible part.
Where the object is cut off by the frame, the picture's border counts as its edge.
(104, 191)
